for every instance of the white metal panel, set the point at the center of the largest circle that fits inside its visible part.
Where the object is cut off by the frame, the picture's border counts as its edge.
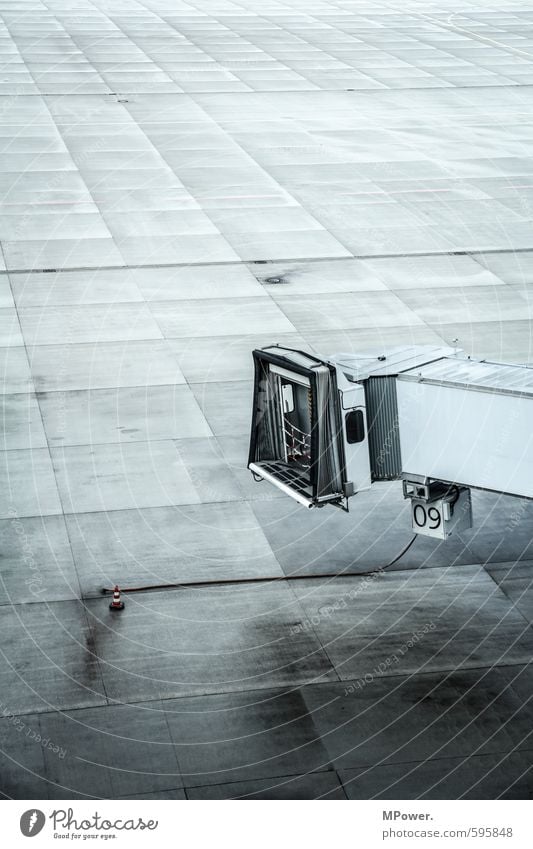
(479, 439)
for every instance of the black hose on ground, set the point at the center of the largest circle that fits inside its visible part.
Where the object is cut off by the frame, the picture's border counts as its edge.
(273, 579)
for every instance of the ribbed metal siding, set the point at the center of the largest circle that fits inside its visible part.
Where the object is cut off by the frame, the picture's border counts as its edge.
(383, 432)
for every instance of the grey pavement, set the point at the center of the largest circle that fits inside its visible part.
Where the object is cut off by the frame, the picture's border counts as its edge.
(181, 183)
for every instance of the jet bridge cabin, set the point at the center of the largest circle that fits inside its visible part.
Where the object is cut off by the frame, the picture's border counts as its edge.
(325, 429)
(299, 437)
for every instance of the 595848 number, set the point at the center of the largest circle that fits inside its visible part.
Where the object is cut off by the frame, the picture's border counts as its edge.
(490, 831)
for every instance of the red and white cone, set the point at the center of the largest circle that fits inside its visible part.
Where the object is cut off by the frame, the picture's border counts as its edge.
(116, 604)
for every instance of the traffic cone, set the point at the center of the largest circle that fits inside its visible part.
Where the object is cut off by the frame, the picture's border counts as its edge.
(116, 604)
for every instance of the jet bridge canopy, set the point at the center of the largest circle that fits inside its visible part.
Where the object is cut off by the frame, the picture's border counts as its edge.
(296, 439)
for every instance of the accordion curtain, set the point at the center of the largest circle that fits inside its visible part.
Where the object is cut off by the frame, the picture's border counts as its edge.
(267, 441)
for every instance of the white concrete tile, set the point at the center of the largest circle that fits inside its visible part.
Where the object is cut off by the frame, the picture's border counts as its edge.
(195, 282)
(480, 303)
(224, 358)
(10, 333)
(122, 476)
(226, 405)
(109, 286)
(28, 484)
(42, 545)
(428, 272)
(21, 423)
(219, 317)
(244, 648)
(60, 669)
(99, 365)
(125, 414)
(239, 147)
(175, 249)
(346, 310)
(42, 255)
(209, 542)
(318, 277)
(87, 323)
(279, 244)
(120, 749)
